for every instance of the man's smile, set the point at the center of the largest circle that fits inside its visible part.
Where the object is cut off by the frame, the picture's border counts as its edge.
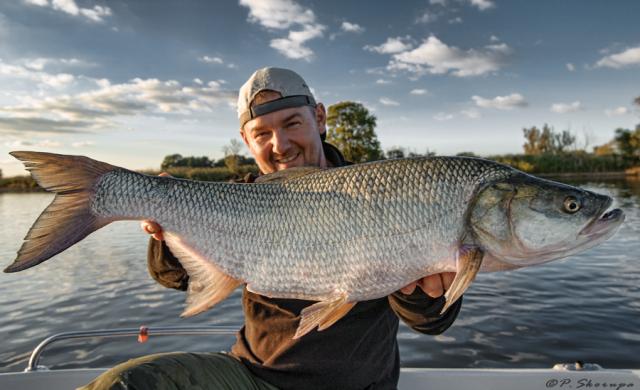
(284, 161)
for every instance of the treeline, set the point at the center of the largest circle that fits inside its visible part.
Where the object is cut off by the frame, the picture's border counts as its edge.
(19, 184)
(548, 151)
(208, 174)
(178, 161)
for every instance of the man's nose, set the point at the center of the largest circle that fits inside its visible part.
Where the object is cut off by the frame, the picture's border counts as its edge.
(280, 142)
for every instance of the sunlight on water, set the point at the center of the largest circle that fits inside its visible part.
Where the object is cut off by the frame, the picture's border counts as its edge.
(585, 307)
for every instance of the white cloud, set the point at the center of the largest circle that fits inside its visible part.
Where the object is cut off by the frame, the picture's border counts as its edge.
(351, 27)
(41, 144)
(82, 144)
(499, 47)
(616, 111)
(211, 60)
(392, 45)
(629, 57)
(388, 102)
(438, 2)
(435, 57)
(456, 20)
(43, 62)
(418, 91)
(95, 14)
(278, 14)
(97, 109)
(509, 102)
(563, 108)
(293, 45)
(571, 67)
(58, 80)
(427, 17)
(281, 15)
(382, 81)
(41, 3)
(441, 116)
(471, 113)
(494, 38)
(482, 4)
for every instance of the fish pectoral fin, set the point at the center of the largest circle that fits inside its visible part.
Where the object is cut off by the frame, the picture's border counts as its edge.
(323, 314)
(468, 264)
(208, 285)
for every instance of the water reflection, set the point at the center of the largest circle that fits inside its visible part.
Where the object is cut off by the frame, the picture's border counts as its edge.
(586, 307)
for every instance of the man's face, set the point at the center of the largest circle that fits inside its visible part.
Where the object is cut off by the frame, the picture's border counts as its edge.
(286, 138)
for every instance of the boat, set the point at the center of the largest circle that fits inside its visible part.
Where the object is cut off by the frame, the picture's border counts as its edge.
(577, 375)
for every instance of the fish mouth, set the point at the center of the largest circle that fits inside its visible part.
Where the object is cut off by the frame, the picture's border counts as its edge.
(604, 222)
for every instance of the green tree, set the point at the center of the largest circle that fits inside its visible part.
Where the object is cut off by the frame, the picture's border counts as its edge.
(395, 152)
(546, 140)
(232, 155)
(351, 128)
(171, 161)
(628, 143)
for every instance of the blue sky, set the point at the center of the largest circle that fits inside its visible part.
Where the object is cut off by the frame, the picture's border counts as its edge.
(129, 82)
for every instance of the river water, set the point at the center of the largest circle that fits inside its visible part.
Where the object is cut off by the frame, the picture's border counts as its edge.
(585, 307)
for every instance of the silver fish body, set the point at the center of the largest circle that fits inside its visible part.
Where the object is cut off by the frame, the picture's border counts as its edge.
(336, 236)
(366, 230)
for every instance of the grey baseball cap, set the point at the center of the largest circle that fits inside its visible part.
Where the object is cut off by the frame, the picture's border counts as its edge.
(294, 90)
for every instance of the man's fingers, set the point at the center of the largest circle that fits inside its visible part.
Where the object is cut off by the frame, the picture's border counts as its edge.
(432, 286)
(447, 279)
(152, 228)
(408, 289)
(164, 174)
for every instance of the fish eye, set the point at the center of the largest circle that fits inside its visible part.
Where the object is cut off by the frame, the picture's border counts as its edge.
(571, 204)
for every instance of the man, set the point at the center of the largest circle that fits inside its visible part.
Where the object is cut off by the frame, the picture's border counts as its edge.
(283, 127)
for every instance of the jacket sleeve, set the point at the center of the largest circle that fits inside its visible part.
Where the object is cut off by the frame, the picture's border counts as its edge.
(422, 313)
(164, 267)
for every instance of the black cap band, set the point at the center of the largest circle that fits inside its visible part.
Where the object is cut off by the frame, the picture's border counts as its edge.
(276, 105)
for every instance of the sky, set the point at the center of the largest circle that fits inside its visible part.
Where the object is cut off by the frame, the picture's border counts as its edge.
(129, 82)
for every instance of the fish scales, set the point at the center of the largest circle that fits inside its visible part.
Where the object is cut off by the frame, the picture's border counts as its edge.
(364, 230)
(337, 236)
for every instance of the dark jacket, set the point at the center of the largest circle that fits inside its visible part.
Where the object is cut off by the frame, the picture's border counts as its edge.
(360, 351)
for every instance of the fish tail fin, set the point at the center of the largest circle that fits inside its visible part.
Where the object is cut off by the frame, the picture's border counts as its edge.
(68, 219)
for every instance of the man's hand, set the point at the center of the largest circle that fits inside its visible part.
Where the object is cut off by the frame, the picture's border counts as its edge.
(150, 226)
(433, 285)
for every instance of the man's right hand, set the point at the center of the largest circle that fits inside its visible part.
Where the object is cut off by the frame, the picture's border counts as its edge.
(152, 227)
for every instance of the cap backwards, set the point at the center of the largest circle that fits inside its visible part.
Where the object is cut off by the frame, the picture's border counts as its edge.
(294, 90)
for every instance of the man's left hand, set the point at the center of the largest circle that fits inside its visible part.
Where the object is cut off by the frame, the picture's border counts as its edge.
(433, 285)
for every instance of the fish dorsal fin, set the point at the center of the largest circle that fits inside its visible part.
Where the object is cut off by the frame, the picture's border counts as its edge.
(323, 314)
(208, 285)
(286, 174)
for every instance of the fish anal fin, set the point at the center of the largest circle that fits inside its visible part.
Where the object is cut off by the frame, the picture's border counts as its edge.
(468, 264)
(286, 174)
(336, 314)
(208, 284)
(323, 314)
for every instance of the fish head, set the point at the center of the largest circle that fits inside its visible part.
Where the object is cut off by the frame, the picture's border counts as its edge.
(524, 220)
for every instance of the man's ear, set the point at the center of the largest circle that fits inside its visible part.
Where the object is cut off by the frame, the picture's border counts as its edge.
(321, 118)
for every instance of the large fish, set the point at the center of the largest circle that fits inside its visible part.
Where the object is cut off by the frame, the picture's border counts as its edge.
(336, 236)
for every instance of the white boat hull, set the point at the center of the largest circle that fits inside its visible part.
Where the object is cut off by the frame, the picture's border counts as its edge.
(410, 379)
